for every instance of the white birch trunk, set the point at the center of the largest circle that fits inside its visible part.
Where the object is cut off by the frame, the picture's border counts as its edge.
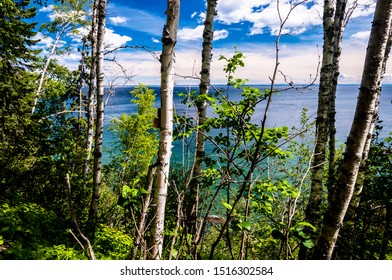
(366, 109)
(91, 91)
(361, 173)
(192, 200)
(313, 209)
(97, 172)
(169, 39)
(339, 25)
(45, 69)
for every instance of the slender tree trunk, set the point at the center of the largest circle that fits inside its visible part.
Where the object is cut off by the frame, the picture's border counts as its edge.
(313, 209)
(192, 200)
(339, 24)
(91, 90)
(97, 173)
(140, 243)
(361, 175)
(366, 108)
(169, 39)
(347, 238)
(45, 69)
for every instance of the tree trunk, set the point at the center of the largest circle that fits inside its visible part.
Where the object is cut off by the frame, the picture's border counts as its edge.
(97, 173)
(366, 108)
(169, 39)
(91, 90)
(349, 221)
(192, 200)
(313, 209)
(45, 69)
(140, 243)
(361, 175)
(339, 24)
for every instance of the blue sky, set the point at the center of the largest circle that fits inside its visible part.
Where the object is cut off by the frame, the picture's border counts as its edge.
(249, 25)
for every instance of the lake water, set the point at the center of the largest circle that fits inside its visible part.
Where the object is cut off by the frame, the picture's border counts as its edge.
(285, 109)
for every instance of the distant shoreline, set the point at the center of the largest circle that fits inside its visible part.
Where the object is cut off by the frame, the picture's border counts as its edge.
(219, 85)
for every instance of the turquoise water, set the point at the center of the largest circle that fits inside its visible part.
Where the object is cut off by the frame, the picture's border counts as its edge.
(285, 109)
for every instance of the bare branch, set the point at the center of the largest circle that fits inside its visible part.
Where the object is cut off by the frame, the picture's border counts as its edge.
(91, 254)
(150, 50)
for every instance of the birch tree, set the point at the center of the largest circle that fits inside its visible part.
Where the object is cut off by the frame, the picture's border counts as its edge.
(97, 171)
(66, 19)
(201, 104)
(313, 209)
(369, 92)
(333, 25)
(169, 39)
(350, 219)
(341, 17)
(91, 88)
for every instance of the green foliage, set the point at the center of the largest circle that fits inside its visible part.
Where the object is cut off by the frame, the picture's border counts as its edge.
(58, 252)
(137, 141)
(16, 35)
(237, 60)
(112, 244)
(29, 231)
(132, 153)
(38, 150)
(239, 142)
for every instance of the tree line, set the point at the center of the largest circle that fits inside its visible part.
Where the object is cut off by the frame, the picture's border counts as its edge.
(259, 192)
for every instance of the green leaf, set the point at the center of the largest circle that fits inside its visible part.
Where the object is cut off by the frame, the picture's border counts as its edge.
(246, 225)
(227, 205)
(143, 191)
(174, 253)
(126, 191)
(308, 243)
(306, 224)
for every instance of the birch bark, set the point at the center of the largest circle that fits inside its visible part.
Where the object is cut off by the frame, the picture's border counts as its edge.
(366, 109)
(169, 39)
(201, 105)
(91, 90)
(313, 209)
(97, 172)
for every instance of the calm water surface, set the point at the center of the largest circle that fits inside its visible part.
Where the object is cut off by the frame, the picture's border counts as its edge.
(285, 109)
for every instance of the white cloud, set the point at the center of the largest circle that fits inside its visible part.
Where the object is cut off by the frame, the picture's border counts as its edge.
(71, 60)
(68, 16)
(141, 21)
(73, 56)
(193, 34)
(154, 40)
(79, 33)
(114, 40)
(220, 34)
(202, 17)
(193, 14)
(47, 9)
(299, 62)
(118, 20)
(364, 8)
(363, 35)
(44, 41)
(263, 14)
(347, 79)
(190, 34)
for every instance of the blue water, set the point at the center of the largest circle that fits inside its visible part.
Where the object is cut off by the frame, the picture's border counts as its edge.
(285, 109)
